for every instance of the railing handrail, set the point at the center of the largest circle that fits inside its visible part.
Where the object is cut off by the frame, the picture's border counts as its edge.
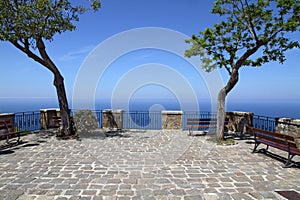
(30, 120)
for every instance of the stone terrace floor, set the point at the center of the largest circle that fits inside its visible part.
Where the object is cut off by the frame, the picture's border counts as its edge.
(141, 165)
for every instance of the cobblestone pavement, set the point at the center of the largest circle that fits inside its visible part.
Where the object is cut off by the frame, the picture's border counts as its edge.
(140, 165)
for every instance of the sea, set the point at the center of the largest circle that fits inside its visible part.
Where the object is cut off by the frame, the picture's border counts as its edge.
(271, 108)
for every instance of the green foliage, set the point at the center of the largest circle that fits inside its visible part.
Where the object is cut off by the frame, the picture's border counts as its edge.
(247, 26)
(25, 21)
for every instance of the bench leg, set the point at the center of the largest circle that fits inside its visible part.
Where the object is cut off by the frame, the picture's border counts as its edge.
(255, 147)
(7, 140)
(190, 132)
(11, 137)
(18, 139)
(288, 162)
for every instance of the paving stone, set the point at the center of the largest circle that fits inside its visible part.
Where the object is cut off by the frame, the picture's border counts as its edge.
(239, 196)
(195, 197)
(125, 193)
(145, 165)
(72, 192)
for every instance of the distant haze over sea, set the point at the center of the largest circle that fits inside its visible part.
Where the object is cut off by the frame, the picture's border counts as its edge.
(270, 108)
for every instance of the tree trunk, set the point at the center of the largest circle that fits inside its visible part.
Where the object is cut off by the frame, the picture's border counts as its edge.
(67, 128)
(221, 114)
(234, 77)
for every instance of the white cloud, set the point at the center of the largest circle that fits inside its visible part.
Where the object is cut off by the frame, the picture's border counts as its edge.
(84, 51)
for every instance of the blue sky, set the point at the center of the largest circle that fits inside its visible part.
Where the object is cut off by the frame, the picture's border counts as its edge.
(23, 78)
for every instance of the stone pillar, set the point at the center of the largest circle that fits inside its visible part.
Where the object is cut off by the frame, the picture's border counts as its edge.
(290, 127)
(8, 117)
(46, 116)
(171, 120)
(237, 121)
(112, 119)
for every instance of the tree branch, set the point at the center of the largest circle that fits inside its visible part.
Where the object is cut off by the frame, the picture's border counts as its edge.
(227, 69)
(30, 54)
(249, 22)
(42, 50)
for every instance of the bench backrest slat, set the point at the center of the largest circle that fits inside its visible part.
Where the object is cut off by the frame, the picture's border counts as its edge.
(274, 134)
(202, 119)
(3, 127)
(274, 137)
(196, 123)
(6, 125)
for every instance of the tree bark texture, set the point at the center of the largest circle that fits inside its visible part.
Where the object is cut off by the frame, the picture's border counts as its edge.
(234, 77)
(221, 114)
(67, 128)
(44, 59)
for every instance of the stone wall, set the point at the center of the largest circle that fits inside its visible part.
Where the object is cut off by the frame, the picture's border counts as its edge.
(290, 127)
(112, 119)
(46, 117)
(171, 120)
(237, 121)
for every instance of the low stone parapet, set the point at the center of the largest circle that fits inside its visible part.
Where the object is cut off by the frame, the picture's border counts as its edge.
(171, 119)
(112, 119)
(46, 117)
(237, 121)
(290, 127)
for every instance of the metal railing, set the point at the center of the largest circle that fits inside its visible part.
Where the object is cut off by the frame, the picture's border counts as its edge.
(98, 114)
(30, 121)
(200, 115)
(27, 121)
(142, 120)
(265, 123)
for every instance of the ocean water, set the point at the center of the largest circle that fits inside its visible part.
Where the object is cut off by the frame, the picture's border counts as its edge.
(263, 108)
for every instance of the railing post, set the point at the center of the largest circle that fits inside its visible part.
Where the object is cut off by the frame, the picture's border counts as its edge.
(46, 116)
(171, 119)
(238, 120)
(112, 119)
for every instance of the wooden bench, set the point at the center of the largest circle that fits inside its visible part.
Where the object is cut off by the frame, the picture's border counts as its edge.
(202, 124)
(7, 132)
(56, 121)
(275, 140)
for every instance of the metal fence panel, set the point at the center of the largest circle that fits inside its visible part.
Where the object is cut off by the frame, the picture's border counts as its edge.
(98, 114)
(27, 121)
(199, 115)
(265, 123)
(30, 121)
(142, 120)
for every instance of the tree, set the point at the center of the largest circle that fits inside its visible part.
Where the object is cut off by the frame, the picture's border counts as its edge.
(253, 32)
(28, 23)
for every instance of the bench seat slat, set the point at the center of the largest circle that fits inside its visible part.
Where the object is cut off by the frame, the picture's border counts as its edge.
(273, 144)
(270, 139)
(283, 136)
(201, 119)
(201, 124)
(7, 126)
(204, 126)
(276, 140)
